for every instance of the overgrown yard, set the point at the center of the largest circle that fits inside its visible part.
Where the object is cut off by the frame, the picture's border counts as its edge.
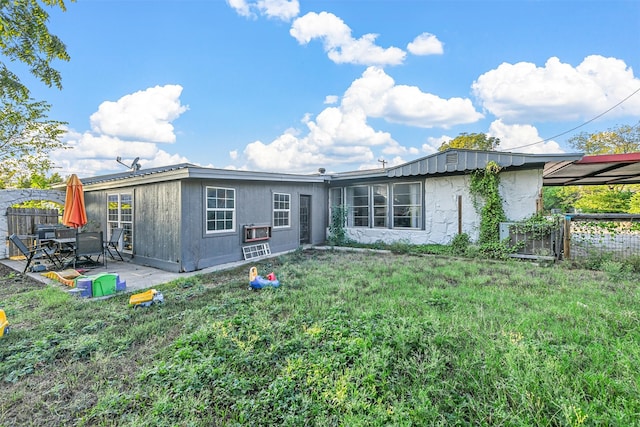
(354, 339)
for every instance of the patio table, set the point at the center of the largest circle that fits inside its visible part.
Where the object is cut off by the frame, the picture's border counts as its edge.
(66, 247)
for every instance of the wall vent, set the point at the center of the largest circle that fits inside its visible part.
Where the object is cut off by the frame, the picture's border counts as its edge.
(451, 158)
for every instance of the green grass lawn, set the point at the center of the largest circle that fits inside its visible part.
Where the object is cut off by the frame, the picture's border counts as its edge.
(352, 339)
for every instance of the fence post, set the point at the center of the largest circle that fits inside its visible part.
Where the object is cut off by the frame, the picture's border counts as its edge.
(567, 237)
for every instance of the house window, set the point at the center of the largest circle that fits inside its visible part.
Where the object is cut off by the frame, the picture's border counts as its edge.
(358, 200)
(281, 210)
(120, 215)
(336, 203)
(221, 209)
(380, 205)
(407, 206)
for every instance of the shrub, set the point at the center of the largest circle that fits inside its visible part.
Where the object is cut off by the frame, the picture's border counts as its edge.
(496, 250)
(460, 244)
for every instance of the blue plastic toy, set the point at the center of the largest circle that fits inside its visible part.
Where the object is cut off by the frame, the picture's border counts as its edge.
(259, 282)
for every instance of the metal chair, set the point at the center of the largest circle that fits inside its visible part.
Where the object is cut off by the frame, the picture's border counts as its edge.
(36, 252)
(114, 242)
(88, 245)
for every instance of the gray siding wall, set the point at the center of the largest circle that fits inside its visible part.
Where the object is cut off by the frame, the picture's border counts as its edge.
(156, 220)
(156, 225)
(254, 205)
(169, 220)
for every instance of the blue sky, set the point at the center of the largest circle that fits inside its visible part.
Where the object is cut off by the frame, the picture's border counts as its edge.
(292, 86)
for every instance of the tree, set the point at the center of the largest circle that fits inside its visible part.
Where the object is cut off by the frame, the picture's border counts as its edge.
(26, 138)
(618, 140)
(24, 37)
(26, 134)
(472, 141)
(561, 198)
(37, 180)
(601, 198)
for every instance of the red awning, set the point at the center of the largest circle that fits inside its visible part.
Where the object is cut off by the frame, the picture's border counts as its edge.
(606, 169)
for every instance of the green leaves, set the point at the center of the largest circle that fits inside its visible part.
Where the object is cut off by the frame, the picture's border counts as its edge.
(26, 135)
(472, 141)
(485, 187)
(24, 37)
(618, 140)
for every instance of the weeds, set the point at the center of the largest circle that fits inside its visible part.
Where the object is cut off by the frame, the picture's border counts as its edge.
(370, 339)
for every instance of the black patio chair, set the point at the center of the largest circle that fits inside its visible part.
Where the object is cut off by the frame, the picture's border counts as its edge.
(88, 245)
(36, 252)
(114, 242)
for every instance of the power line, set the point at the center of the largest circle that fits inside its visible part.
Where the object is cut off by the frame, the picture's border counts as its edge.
(579, 126)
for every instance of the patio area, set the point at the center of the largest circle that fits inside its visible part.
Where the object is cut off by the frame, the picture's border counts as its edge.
(137, 277)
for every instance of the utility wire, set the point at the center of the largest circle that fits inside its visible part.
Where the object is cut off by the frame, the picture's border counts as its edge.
(579, 126)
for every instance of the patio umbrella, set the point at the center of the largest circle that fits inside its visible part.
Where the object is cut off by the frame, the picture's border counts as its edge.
(75, 214)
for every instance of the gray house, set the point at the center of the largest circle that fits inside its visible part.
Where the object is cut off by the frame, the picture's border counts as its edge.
(185, 217)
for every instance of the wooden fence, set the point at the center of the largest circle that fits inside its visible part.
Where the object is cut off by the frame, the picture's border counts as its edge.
(24, 222)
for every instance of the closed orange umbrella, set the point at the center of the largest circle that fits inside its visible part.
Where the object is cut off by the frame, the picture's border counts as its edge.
(75, 214)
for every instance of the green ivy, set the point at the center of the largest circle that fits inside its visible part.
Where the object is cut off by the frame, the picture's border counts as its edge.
(484, 187)
(337, 232)
(537, 226)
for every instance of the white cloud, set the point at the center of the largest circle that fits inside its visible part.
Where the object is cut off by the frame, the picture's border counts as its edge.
(128, 128)
(341, 135)
(331, 99)
(377, 94)
(333, 138)
(90, 154)
(558, 91)
(340, 46)
(145, 115)
(241, 7)
(433, 144)
(521, 139)
(394, 148)
(426, 44)
(279, 9)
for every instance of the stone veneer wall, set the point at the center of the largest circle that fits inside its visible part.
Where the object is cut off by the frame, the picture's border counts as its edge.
(519, 191)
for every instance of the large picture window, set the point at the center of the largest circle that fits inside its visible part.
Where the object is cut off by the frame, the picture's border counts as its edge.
(358, 200)
(221, 209)
(407, 206)
(281, 210)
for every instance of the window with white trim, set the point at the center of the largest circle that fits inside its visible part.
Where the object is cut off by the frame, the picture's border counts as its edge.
(380, 212)
(335, 202)
(407, 205)
(281, 210)
(120, 215)
(221, 209)
(358, 200)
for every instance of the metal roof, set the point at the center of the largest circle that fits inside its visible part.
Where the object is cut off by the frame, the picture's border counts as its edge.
(559, 169)
(188, 171)
(461, 161)
(607, 169)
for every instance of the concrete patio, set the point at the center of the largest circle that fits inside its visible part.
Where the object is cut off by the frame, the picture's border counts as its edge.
(138, 277)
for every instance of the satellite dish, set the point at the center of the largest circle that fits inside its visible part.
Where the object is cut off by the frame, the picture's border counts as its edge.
(134, 165)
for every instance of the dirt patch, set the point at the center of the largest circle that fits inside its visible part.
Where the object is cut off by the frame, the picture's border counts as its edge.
(13, 282)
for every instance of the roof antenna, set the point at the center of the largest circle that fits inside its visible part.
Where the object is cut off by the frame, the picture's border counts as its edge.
(135, 166)
(383, 161)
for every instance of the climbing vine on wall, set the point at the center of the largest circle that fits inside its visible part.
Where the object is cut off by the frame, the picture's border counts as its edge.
(484, 188)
